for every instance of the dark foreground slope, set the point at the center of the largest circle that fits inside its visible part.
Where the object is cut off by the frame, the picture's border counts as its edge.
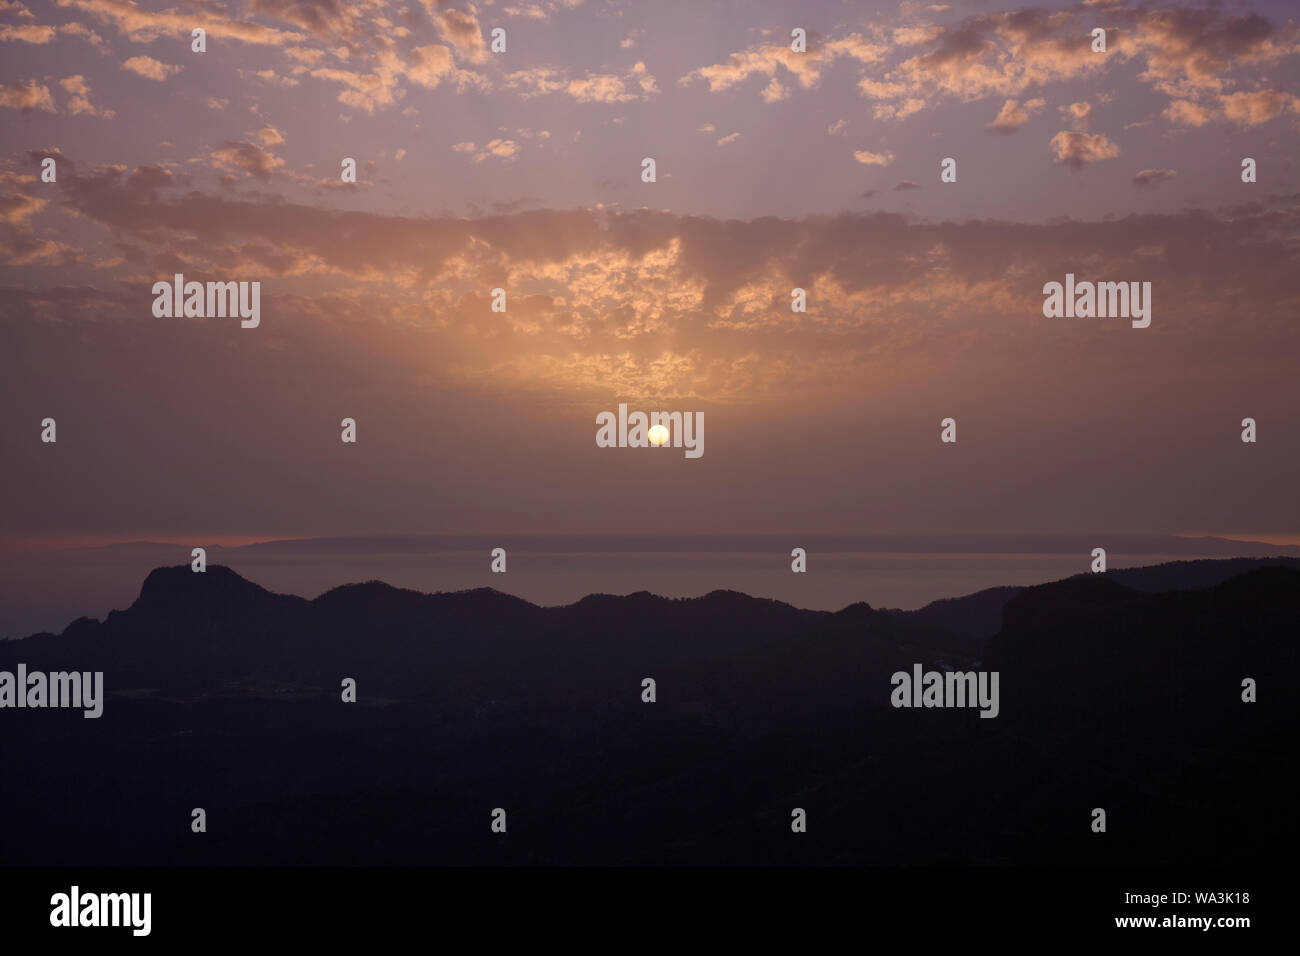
(226, 697)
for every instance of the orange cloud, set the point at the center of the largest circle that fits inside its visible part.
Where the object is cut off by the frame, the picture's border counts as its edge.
(1153, 177)
(150, 68)
(1252, 109)
(249, 158)
(687, 301)
(873, 159)
(773, 59)
(26, 96)
(1012, 116)
(143, 26)
(1077, 150)
(27, 33)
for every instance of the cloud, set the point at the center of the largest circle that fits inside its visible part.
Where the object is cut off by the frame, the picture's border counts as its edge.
(503, 149)
(873, 159)
(244, 156)
(506, 149)
(609, 88)
(365, 91)
(1076, 150)
(1243, 108)
(52, 152)
(906, 184)
(79, 100)
(27, 33)
(462, 31)
(600, 88)
(1077, 111)
(774, 92)
(540, 9)
(144, 26)
(772, 60)
(834, 129)
(322, 18)
(655, 301)
(729, 138)
(1002, 54)
(305, 55)
(87, 34)
(26, 97)
(1252, 109)
(430, 65)
(917, 35)
(1012, 116)
(1185, 53)
(632, 39)
(17, 208)
(270, 136)
(1190, 51)
(20, 245)
(1153, 177)
(270, 76)
(1186, 113)
(150, 68)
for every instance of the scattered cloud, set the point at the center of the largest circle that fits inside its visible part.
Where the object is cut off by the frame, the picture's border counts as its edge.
(140, 25)
(462, 31)
(777, 60)
(27, 33)
(609, 88)
(1186, 113)
(26, 97)
(629, 288)
(1076, 150)
(79, 98)
(506, 150)
(1012, 116)
(246, 157)
(873, 159)
(1153, 177)
(150, 68)
(1077, 111)
(1252, 109)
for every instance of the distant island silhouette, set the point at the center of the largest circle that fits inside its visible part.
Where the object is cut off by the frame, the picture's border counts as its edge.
(1120, 690)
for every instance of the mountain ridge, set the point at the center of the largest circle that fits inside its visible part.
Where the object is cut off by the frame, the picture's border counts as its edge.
(1110, 696)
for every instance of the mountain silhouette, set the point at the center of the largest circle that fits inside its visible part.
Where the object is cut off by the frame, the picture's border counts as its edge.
(226, 696)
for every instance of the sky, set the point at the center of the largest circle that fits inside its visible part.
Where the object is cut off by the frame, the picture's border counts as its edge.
(522, 170)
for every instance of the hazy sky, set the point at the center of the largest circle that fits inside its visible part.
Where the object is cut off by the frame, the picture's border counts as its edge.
(522, 170)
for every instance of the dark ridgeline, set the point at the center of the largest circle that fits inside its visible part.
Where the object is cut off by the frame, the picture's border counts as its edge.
(1120, 691)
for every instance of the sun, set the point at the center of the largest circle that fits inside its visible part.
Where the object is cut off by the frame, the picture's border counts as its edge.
(658, 435)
